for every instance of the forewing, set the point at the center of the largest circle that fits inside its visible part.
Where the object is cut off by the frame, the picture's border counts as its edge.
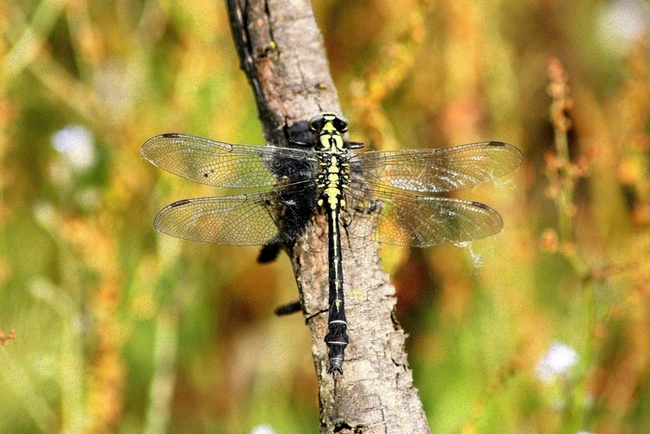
(437, 170)
(407, 219)
(224, 165)
(239, 220)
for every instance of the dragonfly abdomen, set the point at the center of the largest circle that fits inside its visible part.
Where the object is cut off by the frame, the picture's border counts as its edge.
(337, 337)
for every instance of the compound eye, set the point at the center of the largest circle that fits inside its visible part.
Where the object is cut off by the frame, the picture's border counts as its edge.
(316, 123)
(340, 123)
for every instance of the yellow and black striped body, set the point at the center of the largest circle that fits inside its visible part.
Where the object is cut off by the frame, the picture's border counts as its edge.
(333, 154)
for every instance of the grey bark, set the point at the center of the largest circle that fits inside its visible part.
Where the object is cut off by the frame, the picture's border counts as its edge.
(282, 54)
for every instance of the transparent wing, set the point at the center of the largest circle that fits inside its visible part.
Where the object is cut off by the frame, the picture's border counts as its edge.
(437, 170)
(241, 220)
(400, 218)
(224, 165)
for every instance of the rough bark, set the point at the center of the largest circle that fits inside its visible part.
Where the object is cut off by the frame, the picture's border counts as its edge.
(282, 53)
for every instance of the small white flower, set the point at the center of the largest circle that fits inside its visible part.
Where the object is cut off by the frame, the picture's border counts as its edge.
(263, 429)
(77, 145)
(559, 358)
(622, 23)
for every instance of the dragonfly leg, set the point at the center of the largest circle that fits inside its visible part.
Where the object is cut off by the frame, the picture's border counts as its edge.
(269, 253)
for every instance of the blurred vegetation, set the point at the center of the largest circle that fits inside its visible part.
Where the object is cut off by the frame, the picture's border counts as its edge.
(107, 326)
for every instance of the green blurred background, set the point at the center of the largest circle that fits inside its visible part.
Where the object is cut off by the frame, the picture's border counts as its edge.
(107, 326)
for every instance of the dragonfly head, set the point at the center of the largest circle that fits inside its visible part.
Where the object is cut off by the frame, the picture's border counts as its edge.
(328, 122)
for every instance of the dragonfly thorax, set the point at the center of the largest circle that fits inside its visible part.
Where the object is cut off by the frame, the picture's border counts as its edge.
(332, 152)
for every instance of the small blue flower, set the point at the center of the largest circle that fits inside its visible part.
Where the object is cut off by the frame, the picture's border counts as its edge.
(77, 145)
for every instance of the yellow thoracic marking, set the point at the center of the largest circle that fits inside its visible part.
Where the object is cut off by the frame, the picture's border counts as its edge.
(333, 179)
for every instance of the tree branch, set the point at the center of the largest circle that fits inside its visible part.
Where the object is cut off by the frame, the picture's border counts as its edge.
(282, 54)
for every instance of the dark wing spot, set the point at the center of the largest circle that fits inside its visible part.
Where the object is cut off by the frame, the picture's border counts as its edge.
(481, 205)
(179, 203)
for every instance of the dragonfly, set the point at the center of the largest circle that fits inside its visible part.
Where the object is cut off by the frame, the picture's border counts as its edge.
(391, 197)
